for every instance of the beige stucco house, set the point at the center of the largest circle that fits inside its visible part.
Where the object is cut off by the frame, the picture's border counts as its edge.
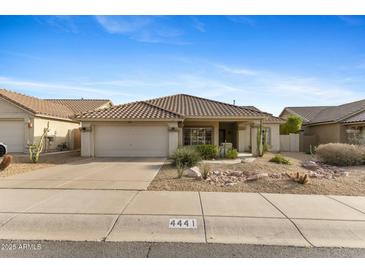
(158, 126)
(332, 124)
(23, 119)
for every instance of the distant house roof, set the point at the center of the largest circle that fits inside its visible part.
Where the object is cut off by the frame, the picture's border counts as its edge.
(82, 105)
(330, 114)
(269, 116)
(58, 108)
(178, 107)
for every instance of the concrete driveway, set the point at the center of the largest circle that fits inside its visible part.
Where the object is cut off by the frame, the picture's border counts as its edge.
(98, 173)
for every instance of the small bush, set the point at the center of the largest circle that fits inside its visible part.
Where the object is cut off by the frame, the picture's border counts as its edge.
(204, 170)
(232, 153)
(207, 152)
(279, 159)
(341, 154)
(185, 157)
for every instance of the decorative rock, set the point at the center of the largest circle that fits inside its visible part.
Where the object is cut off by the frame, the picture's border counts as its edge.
(248, 160)
(193, 172)
(235, 173)
(257, 177)
(311, 165)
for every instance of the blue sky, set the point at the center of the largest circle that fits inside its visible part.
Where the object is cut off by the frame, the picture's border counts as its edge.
(267, 61)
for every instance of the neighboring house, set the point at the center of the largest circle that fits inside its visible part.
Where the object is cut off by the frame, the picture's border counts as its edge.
(158, 126)
(331, 124)
(23, 119)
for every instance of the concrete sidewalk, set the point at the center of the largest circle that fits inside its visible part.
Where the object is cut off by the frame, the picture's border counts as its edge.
(235, 218)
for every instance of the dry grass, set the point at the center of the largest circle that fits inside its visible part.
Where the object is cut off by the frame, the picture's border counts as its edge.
(21, 163)
(354, 184)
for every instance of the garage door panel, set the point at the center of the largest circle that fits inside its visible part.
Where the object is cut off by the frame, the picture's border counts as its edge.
(131, 141)
(12, 134)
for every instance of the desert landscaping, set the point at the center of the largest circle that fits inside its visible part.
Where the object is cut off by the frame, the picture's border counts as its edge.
(261, 175)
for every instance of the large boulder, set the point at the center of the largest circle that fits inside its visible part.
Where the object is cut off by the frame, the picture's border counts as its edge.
(193, 172)
(257, 176)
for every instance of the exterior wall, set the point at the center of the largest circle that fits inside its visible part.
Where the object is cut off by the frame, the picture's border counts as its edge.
(88, 135)
(62, 131)
(11, 112)
(330, 133)
(275, 136)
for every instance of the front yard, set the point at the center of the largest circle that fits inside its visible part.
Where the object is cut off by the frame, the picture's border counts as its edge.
(21, 163)
(353, 184)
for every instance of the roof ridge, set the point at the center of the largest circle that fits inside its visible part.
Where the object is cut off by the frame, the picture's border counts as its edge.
(83, 99)
(206, 99)
(166, 110)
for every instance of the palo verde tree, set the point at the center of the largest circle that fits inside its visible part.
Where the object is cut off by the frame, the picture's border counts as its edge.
(293, 125)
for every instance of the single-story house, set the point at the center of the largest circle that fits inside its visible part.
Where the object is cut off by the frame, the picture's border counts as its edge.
(332, 124)
(23, 119)
(158, 126)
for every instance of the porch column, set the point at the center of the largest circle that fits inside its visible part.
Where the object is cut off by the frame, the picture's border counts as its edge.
(242, 136)
(254, 129)
(216, 134)
(173, 137)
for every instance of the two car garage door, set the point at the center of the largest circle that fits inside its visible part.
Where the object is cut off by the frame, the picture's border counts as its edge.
(12, 134)
(131, 141)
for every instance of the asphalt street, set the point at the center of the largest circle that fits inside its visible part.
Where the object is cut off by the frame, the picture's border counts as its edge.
(69, 249)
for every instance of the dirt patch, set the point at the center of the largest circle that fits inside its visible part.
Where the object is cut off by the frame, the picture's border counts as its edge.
(353, 184)
(21, 163)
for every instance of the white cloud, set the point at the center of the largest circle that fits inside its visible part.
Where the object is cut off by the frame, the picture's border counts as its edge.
(198, 24)
(148, 29)
(53, 89)
(239, 71)
(63, 23)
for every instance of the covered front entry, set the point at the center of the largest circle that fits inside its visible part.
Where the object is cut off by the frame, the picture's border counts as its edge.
(131, 141)
(239, 133)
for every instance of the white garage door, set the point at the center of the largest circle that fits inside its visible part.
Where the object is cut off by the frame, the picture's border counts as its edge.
(131, 141)
(12, 134)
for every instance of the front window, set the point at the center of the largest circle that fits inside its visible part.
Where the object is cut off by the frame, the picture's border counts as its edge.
(197, 136)
(268, 135)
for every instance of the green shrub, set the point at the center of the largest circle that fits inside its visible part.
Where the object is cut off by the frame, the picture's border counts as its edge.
(341, 154)
(279, 159)
(204, 170)
(207, 152)
(232, 153)
(185, 157)
(180, 168)
(293, 125)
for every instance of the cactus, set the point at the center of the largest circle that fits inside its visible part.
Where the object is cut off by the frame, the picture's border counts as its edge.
(261, 140)
(36, 149)
(5, 162)
(301, 179)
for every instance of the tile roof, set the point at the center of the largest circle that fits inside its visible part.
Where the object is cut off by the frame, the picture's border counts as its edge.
(135, 110)
(178, 106)
(36, 105)
(194, 107)
(307, 113)
(60, 108)
(269, 116)
(327, 114)
(81, 105)
(356, 118)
